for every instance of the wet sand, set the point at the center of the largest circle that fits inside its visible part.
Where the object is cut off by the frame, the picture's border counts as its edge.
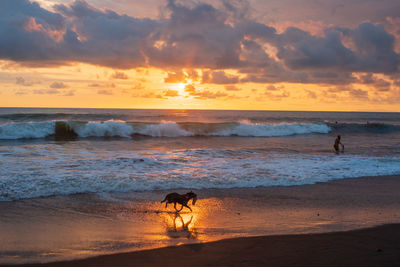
(377, 246)
(286, 218)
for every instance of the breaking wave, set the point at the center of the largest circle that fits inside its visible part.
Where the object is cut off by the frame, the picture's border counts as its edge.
(113, 128)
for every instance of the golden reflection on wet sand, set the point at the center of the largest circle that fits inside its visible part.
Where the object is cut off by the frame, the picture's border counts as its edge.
(180, 226)
(185, 226)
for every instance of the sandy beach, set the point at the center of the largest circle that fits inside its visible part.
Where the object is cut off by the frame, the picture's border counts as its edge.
(377, 246)
(276, 225)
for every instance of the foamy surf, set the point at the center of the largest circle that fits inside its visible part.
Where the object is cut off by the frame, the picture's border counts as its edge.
(112, 128)
(63, 171)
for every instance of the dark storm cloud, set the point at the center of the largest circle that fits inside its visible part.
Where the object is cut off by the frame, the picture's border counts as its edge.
(194, 37)
(78, 32)
(373, 50)
(190, 37)
(105, 37)
(20, 39)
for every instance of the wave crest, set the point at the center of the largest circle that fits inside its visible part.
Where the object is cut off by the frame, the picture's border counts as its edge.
(274, 130)
(114, 128)
(27, 130)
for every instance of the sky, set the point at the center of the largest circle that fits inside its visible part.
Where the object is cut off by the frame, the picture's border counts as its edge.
(333, 55)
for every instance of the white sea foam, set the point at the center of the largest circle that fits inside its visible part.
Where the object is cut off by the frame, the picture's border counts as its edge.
(27, 130)
(57, 170)
(269, 130)
(103, 129)
(166, 129)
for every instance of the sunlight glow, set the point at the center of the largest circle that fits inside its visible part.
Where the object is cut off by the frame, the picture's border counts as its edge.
(180, 87)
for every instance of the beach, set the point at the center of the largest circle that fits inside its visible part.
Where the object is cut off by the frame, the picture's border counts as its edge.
(78, 184)
(369, 247)
(283, 224)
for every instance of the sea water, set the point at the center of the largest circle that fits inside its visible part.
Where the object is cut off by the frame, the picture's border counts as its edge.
(129, 150)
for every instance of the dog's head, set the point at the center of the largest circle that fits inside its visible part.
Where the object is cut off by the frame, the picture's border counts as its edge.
(191, 195)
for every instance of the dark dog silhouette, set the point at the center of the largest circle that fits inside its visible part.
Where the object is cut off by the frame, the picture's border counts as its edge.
(181, 199)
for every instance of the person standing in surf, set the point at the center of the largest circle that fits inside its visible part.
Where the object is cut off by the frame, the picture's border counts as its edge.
(337, 143)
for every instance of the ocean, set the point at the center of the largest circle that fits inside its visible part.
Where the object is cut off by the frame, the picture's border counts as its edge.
(56, 152)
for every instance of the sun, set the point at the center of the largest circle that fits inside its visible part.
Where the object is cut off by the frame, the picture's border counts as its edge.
(180, 87)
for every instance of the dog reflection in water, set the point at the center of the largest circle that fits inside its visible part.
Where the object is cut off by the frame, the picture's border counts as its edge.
(179, 228)
(180, 199)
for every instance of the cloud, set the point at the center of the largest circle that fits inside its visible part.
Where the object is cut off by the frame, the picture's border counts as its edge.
(46, 92)
(27, 31)
(94, 85)
(119, 75)
(311, 94)
(104, 92)
(171, 93)
(69, 93)
(175, 77)
(179, 76)
(232, 88)
(219, 77)
(276, 96)
(273, 88)
(359, 94)
(148, 95)
(138, 86)
(373, 50)
(73, 32)
(379, 84)
(206, 94)
(22, 81)
(58, 85)
(190, 88)
(194, 36)
(21, 92)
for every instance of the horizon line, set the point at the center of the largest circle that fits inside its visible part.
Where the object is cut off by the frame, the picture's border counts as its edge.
(275, 110)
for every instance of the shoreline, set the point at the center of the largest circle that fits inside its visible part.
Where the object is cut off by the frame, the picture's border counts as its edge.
(376, 246)
(88, 226)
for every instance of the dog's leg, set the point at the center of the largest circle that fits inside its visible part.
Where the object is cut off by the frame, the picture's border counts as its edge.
(179, 209)
(187, 207)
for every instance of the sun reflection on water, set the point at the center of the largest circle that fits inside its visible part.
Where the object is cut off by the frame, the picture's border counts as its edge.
(180, 225)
